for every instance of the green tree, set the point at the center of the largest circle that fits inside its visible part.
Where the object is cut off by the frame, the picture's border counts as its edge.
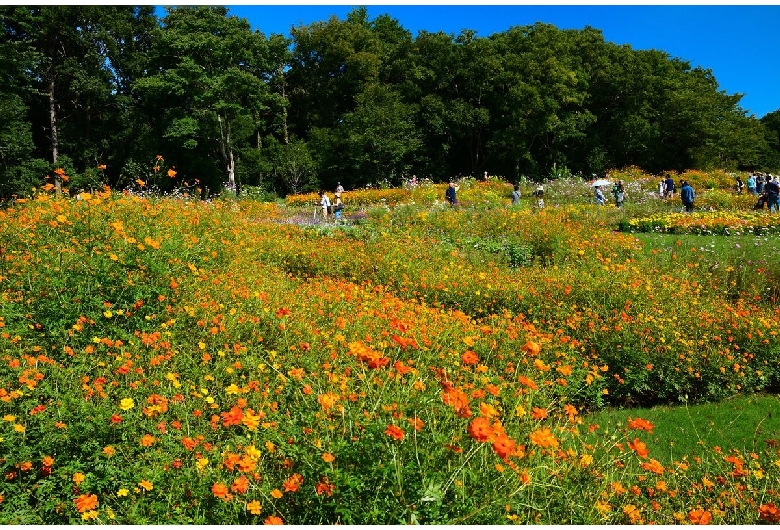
(209, 91)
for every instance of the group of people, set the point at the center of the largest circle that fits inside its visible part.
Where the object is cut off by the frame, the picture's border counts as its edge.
(767, 189)
(335, 207)
(618, 191)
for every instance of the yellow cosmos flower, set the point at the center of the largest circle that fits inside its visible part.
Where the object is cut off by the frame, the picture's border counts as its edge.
(126, 404)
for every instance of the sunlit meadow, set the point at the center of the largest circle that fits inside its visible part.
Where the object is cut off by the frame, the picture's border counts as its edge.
(171, 360)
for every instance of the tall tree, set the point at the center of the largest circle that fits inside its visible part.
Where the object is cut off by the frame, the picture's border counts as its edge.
(210, 87)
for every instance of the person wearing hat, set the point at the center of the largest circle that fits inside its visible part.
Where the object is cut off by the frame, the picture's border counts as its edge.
(339, 188)
(338, 205)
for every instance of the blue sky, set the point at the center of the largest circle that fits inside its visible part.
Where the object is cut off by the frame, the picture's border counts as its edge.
(740, 44)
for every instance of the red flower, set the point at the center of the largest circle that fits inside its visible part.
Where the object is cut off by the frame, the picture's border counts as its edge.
(480, 429)
(469, 357)
(640, 424)
(394, 432)
(293, 483)
(769, 513)
(504, 446)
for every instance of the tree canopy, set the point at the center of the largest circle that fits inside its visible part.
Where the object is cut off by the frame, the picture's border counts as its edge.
(107, 92)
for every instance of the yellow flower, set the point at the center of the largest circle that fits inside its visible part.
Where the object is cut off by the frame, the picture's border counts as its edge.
(123, 492)
(19, 428)
(254, 507)
(126, 404)
(145, 484)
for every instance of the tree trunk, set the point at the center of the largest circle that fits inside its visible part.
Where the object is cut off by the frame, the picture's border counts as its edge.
(54, 139)
(284, 108)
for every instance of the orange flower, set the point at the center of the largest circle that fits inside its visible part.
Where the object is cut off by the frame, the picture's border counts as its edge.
(293, 483)
(324, 487)
(539, 413)
(232, 417)
(171, 173)
(86, 502)
(48, 461)
(531, 347)
(527, 382)
(700, 517)
(328, 457)
(458, 400)
(640, 424)
(394, 432)
(78, 478)
(543, 438)
(273, 519)
(146, 485)
(469, 357)
(639, 448)
(417, 423)
(570, 411)
(769, 513)
(240, 485)
(653, 466)
(147, 440)
(219, 490)
(504, 446)
(480, 429)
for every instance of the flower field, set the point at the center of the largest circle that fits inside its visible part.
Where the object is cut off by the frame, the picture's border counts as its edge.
(174, 361)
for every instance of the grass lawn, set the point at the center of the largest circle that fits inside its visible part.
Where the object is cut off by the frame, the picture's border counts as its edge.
(745, 423)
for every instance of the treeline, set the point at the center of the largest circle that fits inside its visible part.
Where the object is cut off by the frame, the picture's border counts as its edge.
(115, 95)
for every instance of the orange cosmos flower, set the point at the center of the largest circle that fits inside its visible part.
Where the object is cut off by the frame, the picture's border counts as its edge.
(254, 507)
(527, 382)
(543, 438)
(147, 440)
(469, 357)
(539, 413)
(417, 423)
(86, 502)
(640, 424)
(769, 513)
(233, 417)
(639, 448)
(480, 429)
(700, 517)
(273, 519)
(293, 483)
(570, 411)
(504, 446)
(394, 432)
(78, 478)
(324, 487)
(328, 457)
(48, 461)
(653, 466)
(458, 400)
(219, 490)
(171, 173)
(276, 494)
(240, 485)
(531, 347)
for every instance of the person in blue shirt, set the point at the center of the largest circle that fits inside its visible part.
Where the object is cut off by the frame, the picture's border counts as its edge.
(450, 194)
(687, 195)
(751, 184)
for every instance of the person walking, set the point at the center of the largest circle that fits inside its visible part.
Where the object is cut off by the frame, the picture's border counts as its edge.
(759, 184)
(669, 187)
(740, 185)
(599, 196)
(516, 195)
(451, 194)
(751, 184)
(687, 195)
(619, 192)
(338, 206)
(661, 189)
(772, 189)
(324, 204)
